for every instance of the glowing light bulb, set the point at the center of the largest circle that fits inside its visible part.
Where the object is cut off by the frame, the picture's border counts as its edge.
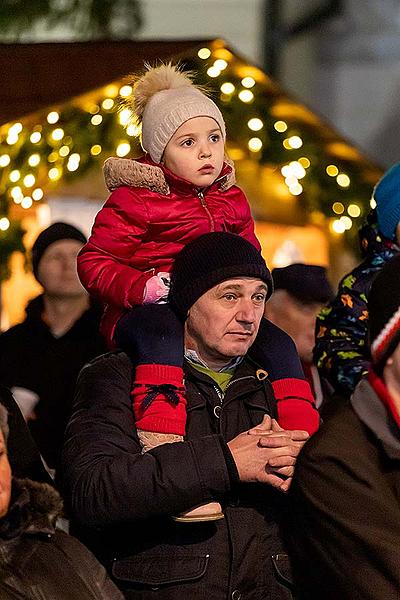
(354, 210)
(204, 53)
(37, 194)
(53, 117)
(123, 149)
(36, 136)
(246, 96)
(343, 180)
(338, 208)
(125, 90)
(26, 202)
(220, 64)
(125, 116)
(96, 119)
(248, 82)
(255, 124)
(295, 142)
(29, 180)
(213, 72)
(64, 151)
(4, 224)
(73, 162)
(255, 144)
(57, 134)
(14, 175)
(5, 160)
(108, 103)
(133, 130)
(95, 150)
(332, 170)
(54, 173)
(280, 126)
(338, 226)
(34, 160)
(227, 88)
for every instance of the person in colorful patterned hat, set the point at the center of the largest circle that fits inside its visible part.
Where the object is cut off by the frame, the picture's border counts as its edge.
(344, 515)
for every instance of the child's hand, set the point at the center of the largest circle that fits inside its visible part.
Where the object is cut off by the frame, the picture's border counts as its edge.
(157, 289)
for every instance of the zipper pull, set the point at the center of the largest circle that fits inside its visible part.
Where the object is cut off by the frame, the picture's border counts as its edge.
(200, 195)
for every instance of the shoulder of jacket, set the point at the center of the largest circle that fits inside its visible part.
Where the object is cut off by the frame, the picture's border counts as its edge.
(128, 172)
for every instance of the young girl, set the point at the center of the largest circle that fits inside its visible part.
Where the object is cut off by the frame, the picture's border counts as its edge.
(181, 188)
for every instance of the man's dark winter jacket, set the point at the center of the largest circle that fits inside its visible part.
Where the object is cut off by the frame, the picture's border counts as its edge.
(31, 357)
(38, 562)
(128, 498)
(344, 521)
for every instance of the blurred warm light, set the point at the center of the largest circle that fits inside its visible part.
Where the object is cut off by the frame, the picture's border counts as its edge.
(16, 193)
(255, 144)
(53, 156)
(280, 126)
(296, 189)
(53, 117)
(354, 210)
(213, 72)
(95, 149)
(107, 104)
(57, 134)
(14, 176)
(29, 180)
(55, 173)
(227, 88)
(332, 170)
(220, 64)
(294, 142)
(372, 203)
(246, 96)
(343, 180)
(255, 124)
(133, 130)
(111, 90)
(204, 53)
(73, 162)
(347, 222)
(123, 149)
(248, 82)
(15, 129)
(338, 208)
(64, 151)
(125, 116)
(37, 194)
(4, 224)
(304, 161)
(96, 119)
(125, 90)
(338, 226)
(5, 160)
(36, 137)
(26, 202)
(34, 160)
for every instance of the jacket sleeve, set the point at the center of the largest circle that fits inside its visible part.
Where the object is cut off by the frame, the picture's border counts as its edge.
(341, 352)
(106, 478)
(243, 223)
(103, 263)
(343, 523)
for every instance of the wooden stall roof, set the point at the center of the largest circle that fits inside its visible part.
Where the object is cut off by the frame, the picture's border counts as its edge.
(34, 76)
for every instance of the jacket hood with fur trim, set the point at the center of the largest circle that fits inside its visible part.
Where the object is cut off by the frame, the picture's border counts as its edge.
(143, 172)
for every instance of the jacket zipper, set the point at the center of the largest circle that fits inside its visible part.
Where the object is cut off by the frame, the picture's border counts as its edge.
(200, 195)
(221, 394)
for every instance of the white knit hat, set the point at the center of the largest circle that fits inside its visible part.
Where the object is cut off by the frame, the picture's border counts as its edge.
(163, 99)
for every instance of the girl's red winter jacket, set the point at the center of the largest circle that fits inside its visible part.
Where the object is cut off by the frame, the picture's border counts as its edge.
(146, 221)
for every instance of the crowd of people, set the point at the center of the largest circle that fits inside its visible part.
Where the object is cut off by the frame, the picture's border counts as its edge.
(181, 422)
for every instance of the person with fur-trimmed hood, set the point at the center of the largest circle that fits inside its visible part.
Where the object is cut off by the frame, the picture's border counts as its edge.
(341, 350)
(343, 522)
(36, 559)
(183, 187)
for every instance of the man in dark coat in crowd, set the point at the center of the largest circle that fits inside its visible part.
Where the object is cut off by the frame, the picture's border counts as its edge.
(300, 292)
(40, 358)
(234, 451)
(36, 559)
(344, 521)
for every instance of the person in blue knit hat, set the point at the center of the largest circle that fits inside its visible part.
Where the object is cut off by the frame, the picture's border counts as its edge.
(341, 351)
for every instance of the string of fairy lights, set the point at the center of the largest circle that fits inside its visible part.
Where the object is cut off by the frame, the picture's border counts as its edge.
(63, 143)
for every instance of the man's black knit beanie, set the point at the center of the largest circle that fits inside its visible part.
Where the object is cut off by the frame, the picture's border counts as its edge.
(384, 313)
(209, 260)
(53, 233)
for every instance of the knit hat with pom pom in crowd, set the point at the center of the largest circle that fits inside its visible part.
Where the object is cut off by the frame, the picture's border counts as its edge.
(163, 99)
